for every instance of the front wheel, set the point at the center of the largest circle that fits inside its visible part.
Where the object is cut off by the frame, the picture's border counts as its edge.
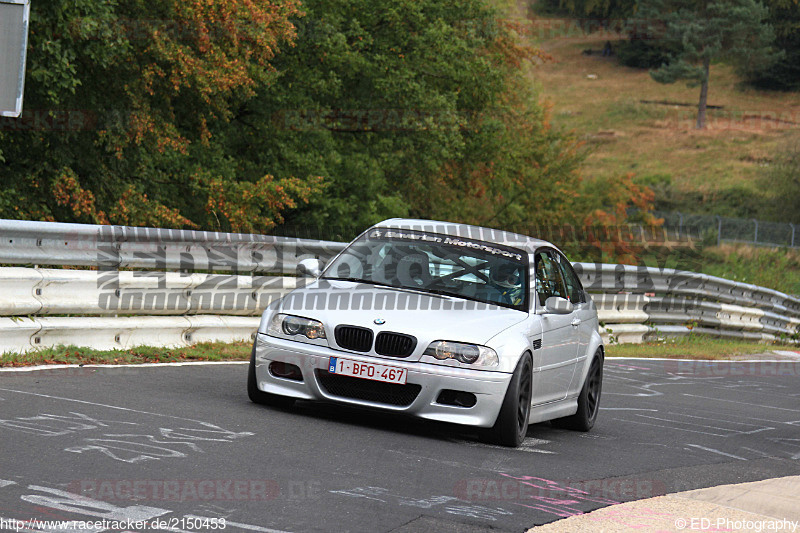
(512, 422)
(588, 400)
(256, 395)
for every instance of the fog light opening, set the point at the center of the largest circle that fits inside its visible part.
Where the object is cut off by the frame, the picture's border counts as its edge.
(285, 371)
(457, 398)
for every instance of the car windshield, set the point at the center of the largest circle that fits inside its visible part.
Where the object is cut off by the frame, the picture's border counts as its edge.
(438, 264)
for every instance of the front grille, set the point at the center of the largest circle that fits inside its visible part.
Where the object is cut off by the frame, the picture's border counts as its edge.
(368, 390)
(353, 338)
(394, 344)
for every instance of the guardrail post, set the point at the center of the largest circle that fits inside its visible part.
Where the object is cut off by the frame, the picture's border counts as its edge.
(755, 237)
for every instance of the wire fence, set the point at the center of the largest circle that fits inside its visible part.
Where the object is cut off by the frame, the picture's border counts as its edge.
(724, 229)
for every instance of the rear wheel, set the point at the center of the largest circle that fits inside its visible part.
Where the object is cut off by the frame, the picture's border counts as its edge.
(258, 396)
(512, 422)
(588, 400)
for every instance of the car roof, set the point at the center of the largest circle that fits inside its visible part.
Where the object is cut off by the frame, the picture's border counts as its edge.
(466, 231)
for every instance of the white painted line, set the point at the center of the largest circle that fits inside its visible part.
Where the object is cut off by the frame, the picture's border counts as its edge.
(103, 405)
(795, 355)
(132, 365)
(698, 360)
(669, 427)
(712, 450)
(627, 409)
(707, 425)
(785, 361)
(743, 403)
(6, 483)
(528, 445)
(724, 421)
(762, 454)
(627, 367)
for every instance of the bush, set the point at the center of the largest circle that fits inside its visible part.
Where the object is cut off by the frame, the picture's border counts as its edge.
(640, 53)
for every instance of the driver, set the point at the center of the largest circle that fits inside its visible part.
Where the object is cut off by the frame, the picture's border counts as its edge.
(505, 279)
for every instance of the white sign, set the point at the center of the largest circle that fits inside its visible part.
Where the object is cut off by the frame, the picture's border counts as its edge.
(14, 16)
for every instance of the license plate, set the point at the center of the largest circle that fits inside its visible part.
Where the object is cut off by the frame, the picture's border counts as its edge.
(388, 374)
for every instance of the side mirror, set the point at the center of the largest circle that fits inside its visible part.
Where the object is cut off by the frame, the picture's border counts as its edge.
(309, 268)
(556, 305)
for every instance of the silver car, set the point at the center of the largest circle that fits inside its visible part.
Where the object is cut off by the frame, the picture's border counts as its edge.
(441, 321)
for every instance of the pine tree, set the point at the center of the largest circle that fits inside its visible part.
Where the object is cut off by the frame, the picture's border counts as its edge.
(702, 31)
(784, 75)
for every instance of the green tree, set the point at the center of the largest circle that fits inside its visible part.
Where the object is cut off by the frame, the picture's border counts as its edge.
(594, 8)
(698, 32)
(783, 75)
(415, 108)
(247, 114)
(127, 105)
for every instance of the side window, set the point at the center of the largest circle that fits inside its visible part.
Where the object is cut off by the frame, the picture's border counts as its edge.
(573, 284)
(548, 277)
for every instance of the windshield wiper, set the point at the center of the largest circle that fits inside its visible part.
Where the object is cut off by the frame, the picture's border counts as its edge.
(359, 280)
(437, 292)
(423, 290)
(440, 292)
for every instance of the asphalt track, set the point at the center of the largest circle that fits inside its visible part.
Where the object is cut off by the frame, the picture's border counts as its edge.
(183, 445)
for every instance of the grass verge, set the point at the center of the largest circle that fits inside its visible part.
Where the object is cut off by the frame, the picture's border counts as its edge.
(605, 104)
(694, 347)
(64, 355)
(777, 268)
(632, 124)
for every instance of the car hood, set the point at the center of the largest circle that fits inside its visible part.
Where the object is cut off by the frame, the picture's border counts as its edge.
(428, 317)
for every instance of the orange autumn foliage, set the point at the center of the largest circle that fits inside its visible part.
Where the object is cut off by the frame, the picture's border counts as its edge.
(210, 52)
(611, 231)
(67, 191)
(136, 209)
(255, 207)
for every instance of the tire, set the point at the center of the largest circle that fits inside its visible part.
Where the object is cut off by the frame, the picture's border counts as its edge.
(260, 397)
(588, 399)
(512, 422)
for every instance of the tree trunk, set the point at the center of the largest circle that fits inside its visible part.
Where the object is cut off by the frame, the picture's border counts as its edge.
(701, 107)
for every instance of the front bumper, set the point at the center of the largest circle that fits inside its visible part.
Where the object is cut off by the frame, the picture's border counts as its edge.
(488, 387)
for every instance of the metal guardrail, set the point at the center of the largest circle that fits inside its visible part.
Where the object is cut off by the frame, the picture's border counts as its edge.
(183, 300)
(643, 303)
(43, 292)
(186, 299)
(608, 278)
(114, 247)
(29, 333)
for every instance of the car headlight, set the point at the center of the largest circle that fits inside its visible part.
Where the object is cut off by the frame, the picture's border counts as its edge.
(469, 354)
(292, 326)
